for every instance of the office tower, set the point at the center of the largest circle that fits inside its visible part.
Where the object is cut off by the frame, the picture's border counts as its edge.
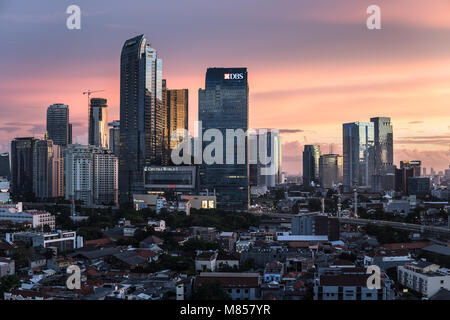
(383, 144)
(415, 165)
(383, 155)
(98, 123)
(47, 170)
(272, 150)
(5, 190)
(408, 169)
(358, 145)
(142, 115)
(114, 137)
(223, 104)
(5, 170)
(419, 186)
(176, 102)
(311, 155)
(70, 134)
(22, 167)
(424, 171)
(58, 128)
(330, 170)
(90, 174)
(446, 173)
(432, 172)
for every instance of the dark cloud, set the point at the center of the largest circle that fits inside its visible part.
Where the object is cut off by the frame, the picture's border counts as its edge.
(443, 140)
(288, 131)
(9, 129)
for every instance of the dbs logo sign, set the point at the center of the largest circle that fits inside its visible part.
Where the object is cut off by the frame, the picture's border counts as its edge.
(233, 76)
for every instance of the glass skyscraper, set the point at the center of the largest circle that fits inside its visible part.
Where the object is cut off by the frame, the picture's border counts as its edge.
(358, 152)
(98, 123)
(384, 170)
(58, 128)
(5, 170)
(330, 170)
(311, 156)
(273, 151)
(22, 150)
(142, 115)
(223, 104)
(114, 137)
(176, 102)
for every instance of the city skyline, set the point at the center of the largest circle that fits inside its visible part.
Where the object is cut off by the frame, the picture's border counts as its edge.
(389, 80)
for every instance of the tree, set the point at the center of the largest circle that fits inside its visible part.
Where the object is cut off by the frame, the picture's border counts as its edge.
(248, 264)
(8, 283)
(211, 290)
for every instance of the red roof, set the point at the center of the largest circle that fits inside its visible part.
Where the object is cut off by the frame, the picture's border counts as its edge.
(146, 253)
(412, 245)
(97, 242)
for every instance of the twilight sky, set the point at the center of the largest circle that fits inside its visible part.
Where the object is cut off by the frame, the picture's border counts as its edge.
(312, 65)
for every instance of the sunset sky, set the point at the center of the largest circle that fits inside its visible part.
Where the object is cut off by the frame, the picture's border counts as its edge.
(312, 65)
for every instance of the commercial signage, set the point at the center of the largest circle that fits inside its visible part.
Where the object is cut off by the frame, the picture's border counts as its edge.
(233, 76)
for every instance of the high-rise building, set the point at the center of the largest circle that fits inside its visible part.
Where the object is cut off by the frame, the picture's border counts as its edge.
(22, 167)
(5, 190)
(415, 165)
(383, 176)
(5, 170)
(330, 170)
(176, 102)
(70, 134)
(383, 144)
(311, 155)
(142, 115)
(47, 170)
(90, 174)
(98, 123)
(408, 169)
(419, 186)
(58, 128)
(114, 137)
(272, 146)
(358, 145)
(223, 104)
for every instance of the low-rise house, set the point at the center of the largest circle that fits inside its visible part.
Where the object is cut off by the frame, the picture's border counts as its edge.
(203, 233)
(227, 260)
(350, 284)
(158, 226)
(206, 260)
(424, 277)
(227, 240)
(243, 245)
(239, 286)
(386, 258)
(150, 241)
(129, 231)
(7, 267)
(274, 271)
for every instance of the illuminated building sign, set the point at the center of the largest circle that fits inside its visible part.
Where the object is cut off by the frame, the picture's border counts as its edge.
(233, 76)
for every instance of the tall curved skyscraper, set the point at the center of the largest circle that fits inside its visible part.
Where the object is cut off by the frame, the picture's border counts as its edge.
(98, 123)
(141, 114)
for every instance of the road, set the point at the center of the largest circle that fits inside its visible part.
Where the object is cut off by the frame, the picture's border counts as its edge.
(396, 225)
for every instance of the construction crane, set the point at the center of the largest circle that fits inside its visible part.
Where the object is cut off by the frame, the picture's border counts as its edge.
(89, 92)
